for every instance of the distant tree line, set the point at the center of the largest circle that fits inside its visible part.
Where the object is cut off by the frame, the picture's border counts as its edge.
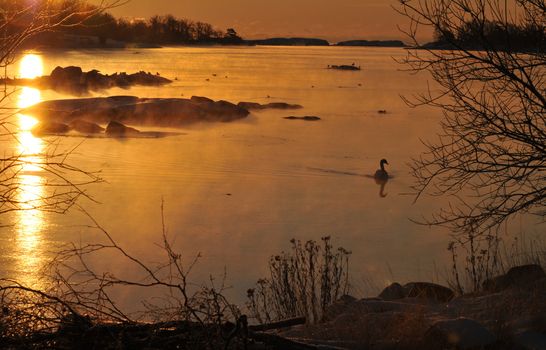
(155, 30)
(492, 35)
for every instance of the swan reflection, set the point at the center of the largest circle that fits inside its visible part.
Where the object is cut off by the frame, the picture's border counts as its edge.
(382, 183)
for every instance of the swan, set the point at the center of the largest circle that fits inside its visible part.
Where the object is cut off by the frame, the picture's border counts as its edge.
(381, 174)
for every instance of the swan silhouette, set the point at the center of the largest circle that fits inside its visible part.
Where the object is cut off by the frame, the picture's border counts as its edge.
(381, 174)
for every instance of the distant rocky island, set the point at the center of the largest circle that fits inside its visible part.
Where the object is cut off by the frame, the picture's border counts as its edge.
(376, 43)
(323, 42)
(73, 80)
(289, 42)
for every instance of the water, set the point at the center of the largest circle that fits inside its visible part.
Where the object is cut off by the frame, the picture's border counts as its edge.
(238, 192)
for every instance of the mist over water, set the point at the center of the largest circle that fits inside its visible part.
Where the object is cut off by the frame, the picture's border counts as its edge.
(238, 192)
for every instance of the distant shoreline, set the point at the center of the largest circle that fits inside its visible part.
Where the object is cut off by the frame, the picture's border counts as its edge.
(79, 42)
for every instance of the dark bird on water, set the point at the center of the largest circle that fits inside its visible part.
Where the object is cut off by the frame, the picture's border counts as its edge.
(381, 174)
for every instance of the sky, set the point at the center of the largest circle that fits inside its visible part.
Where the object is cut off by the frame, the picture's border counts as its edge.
(333, 20)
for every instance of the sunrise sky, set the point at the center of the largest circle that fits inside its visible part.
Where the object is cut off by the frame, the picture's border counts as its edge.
(329, 19)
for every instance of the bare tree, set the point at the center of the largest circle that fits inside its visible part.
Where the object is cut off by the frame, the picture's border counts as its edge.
(488, 64)
(21, 21)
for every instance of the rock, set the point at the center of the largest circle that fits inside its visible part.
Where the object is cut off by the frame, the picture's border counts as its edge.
(431, 291)
(461, 333)
(339, 307)
(73, 80)
(166, 112)
(116, 129)
(272, 105)
(200, 99)
(282, 105)
(251, 105)
(519, 276)
(393, 292)
(306, 118)
(529, 341)
(344, 67)
(61, 75)
(85, 127)
(382, 111)
(50, 128)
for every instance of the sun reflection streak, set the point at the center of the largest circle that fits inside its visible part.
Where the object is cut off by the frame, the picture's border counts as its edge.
(30, 242)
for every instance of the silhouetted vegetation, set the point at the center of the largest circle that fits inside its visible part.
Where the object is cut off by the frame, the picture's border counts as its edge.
(478, 259)
(482, 33)
(82, 19)
(489, 160)
(302, 282)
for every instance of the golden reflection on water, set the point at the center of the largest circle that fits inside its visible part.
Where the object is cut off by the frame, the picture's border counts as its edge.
(30, 247)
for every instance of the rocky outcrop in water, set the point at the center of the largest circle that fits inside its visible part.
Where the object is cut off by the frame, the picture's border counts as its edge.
(272, 105)
(74, 81)
(50, 128)
(116, 129)
(307, 118)
(131, 110)
(344, 67)
(85, 127)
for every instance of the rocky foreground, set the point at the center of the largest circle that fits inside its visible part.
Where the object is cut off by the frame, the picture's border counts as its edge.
(509, 314)
(86, 115)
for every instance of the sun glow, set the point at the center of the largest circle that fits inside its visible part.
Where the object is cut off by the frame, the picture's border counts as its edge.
(31, 66)
(31, 183)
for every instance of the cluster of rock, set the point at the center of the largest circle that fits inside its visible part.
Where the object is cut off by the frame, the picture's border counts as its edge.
(344, 67)
(85, 115)
(272, 105)
(511, 314)
(74, 80)
(113, 129)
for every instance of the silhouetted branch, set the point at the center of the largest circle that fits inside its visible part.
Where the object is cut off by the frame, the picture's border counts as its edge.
(490, 157)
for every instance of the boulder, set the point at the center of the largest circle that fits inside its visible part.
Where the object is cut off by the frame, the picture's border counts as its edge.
(519, 276)
(116, 129)
(201, 99)
(50, 128)
(393, 292)
(430, 291)
(461, 333)
(85, 127)
(70, 74)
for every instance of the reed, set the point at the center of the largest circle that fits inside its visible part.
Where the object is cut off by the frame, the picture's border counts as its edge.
(302, 282)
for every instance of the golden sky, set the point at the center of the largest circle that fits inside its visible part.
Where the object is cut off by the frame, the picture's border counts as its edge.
(330, 19)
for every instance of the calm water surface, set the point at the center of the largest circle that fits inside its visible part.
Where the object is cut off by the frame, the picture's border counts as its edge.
(284, 178)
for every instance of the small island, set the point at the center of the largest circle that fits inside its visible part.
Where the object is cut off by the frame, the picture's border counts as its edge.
(289, 42)
(373, 43)
(74, 81)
